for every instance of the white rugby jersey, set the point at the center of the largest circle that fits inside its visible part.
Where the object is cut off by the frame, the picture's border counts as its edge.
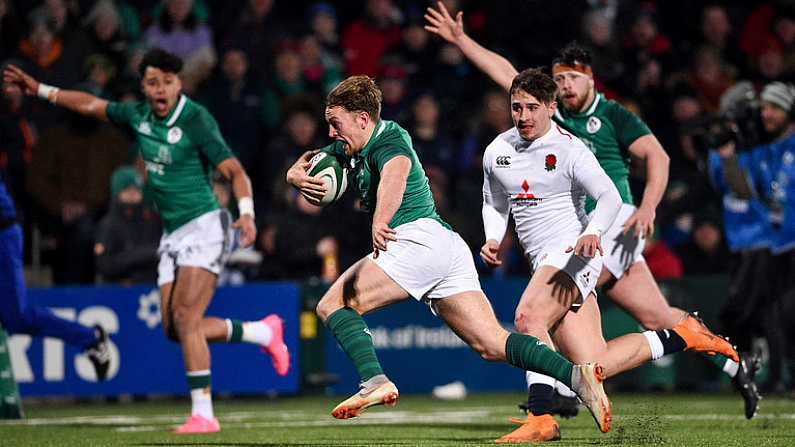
(543, 184)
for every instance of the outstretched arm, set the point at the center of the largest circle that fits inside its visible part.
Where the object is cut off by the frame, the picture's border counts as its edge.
(76, 101)
(498, 68)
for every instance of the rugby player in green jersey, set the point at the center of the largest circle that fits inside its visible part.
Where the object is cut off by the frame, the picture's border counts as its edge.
(181, 145)
(614, 134)
(415, 254)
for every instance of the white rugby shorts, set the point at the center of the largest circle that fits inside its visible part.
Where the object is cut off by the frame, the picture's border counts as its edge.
(203, 242)
(584, 271)
(622, 250)
(429, 261)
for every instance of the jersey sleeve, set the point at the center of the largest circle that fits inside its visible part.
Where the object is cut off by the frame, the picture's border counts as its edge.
(121, 113)
(496, 206)
(588, 173)
(205, 132)
(390, 149)
(629, 126)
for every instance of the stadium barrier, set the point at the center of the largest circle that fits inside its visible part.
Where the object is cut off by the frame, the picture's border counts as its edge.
(143, 361)
(415, 347)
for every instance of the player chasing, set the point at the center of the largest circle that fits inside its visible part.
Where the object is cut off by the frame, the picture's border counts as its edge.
(544, 188)
(415, 254)
(613, 133)
(181, 145)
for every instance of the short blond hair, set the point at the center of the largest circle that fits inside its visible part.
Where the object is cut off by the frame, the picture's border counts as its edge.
(357, 93)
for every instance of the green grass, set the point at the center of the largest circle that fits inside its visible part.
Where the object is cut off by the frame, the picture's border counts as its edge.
(640, 419)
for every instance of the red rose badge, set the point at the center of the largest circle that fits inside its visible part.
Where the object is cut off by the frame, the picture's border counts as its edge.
(550, 162)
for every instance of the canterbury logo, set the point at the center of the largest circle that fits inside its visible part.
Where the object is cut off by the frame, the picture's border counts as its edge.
(503, 160)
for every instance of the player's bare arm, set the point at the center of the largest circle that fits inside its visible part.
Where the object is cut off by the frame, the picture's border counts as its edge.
(389, 197)
(297, 176)
(499, 69)
(648, 149)
(241, 187)
(76, 101)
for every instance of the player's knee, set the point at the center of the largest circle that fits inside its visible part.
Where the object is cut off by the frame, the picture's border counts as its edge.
(325, 307)
(323, 311)
(525, 323)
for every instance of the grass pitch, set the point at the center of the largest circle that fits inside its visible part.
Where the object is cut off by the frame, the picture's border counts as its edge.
(640, 419)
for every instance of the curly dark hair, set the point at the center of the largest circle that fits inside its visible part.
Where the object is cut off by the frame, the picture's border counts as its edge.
(162, 59)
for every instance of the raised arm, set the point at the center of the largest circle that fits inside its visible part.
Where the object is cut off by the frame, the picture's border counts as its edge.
(74, 100)
(498, 68)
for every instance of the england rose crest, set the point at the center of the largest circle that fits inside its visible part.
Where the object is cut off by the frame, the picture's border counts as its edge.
(550, 162)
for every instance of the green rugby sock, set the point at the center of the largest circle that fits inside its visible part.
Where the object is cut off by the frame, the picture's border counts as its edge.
(530, 354)
(199, 379)
(354, 338)
(236, 332)
(718, 360)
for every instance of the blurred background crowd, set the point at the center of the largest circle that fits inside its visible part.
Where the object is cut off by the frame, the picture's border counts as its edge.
(263, 68)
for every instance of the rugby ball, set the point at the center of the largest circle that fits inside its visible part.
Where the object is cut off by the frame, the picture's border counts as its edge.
(327, 167)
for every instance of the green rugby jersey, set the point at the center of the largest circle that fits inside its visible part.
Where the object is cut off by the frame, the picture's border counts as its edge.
(389, 140)
(607, 129)
(180, 152)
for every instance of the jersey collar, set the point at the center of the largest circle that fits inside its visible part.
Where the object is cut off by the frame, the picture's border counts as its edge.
(561, 113)
(175, 113)
(177, 110)
(597, 98)
(380, 127)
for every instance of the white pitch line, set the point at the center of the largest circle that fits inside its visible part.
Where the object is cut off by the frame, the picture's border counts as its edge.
(254, 419)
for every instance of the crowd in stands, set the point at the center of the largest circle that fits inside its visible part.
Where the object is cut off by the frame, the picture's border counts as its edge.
(263, 68)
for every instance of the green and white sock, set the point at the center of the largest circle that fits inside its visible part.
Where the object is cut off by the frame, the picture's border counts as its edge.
(200, 383)
(256, 332)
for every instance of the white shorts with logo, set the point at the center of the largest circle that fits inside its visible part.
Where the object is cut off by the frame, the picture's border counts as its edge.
(584, 271)
(622, 250)
(203, 242)
(429, 261)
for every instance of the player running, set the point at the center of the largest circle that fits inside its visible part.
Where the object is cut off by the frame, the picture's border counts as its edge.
(181, 145)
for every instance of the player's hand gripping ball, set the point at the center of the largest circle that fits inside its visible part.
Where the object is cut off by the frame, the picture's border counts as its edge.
(328, 168)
